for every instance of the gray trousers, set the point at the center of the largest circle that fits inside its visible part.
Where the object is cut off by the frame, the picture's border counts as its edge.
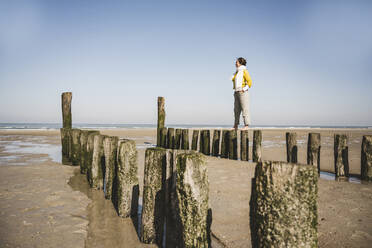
(241, 104)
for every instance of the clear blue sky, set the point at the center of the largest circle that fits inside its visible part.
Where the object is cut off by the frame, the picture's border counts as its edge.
(310, 61)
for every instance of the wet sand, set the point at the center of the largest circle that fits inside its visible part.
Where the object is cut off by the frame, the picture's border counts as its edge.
(344, 208)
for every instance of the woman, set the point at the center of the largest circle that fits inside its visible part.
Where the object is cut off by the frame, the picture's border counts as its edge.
(241, 83)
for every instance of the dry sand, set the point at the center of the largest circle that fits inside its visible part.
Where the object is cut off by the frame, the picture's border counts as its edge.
(46, 204)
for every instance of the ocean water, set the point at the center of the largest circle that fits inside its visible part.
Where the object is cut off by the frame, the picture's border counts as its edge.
(10, 126)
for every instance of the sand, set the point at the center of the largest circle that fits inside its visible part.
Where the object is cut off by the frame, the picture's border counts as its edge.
(46, 204)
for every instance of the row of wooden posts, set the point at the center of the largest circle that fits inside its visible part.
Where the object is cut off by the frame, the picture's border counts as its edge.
(224, 144)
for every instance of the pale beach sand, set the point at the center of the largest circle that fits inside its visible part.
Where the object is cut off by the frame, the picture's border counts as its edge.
(46, 204)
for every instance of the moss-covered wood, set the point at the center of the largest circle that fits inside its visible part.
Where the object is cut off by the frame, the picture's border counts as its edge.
(205, 140)
(313, 150)
(256, 149)
(75, 147)
(366, 159)
(163, 137)
(171, 138)
(291, 143)
(98, 163)
(244, 145)
(225, 144)
(127, 187)
(152, 224)
(233, 145)
(185, 144)
(66, 109)
(191, 203)
(216, 143)
(66, 145)
(341, 155)
(84, 160)
(89, 153)
(110, 149)
(195, 140)
(284, 205)
(161, 118)
(177, 139)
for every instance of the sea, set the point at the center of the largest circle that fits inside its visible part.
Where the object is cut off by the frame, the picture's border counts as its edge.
(46, 126)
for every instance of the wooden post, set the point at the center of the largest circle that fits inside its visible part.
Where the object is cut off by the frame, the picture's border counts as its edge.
(257, 150)
(216, 143)
(127, 192)
(291, 141)
(177, 139)
(185, 139)
(66, 145)
(75, 151)
(244, 145)
(110, 149)
(66, 109)
(313, 150)
(195, 136)
(225, 144)
(170, 138)
(284, 205)
(98, 163)
(233, 145)
(84, 160)
(152, 228)
(204, 145)
(161, 118)
(366, 159)
(341, 157)
(89, 154)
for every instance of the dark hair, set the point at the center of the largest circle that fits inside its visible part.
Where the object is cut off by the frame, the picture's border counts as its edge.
(241, 61)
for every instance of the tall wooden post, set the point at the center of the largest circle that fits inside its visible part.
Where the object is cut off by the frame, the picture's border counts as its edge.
(341, 157)
(233, 144)
(161, 118)
(244, 145)
(257, 150)
(195, 136)
(366, 160)
(291, 141)
(216, 143)
(66, 109)
(313, 150)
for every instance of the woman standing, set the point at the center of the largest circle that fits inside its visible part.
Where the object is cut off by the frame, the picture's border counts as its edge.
(241, 83)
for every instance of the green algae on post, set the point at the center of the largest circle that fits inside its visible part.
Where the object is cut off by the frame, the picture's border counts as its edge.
(66, 145)
(89, 153)
(98, 163)
(75, 147)
(110, 149)
(66, 109)
(256, 149)
(161, 118)
(85, 158)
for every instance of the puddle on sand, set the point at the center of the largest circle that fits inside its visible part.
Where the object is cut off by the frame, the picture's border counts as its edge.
(331, 176)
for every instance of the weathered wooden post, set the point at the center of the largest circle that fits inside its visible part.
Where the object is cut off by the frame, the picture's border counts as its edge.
(225, 144)
(75, 152)
(257, 150)
(66, 109)
(84, 159)
(341, 157)
(185, 139)
(284, 205)
(233, 144)
(152, 225)
(244, 145)
(204, 146)
(127, 191)
(191, 203)
(195, 136)
(177, 139)
(110, 149)
(66, 145)
(89, 153)
(216, 143)
(313, 150)
(291, 141)
(366, 159)
(98, 163)
(170, 138)
(161, 118)
(163, 137)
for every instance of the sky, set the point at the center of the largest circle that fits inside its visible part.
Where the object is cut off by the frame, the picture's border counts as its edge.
(310, 61)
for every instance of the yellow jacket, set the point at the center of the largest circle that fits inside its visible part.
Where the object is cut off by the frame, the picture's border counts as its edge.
(246, 79)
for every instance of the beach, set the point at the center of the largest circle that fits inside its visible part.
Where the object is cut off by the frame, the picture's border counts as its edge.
(46, 204)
